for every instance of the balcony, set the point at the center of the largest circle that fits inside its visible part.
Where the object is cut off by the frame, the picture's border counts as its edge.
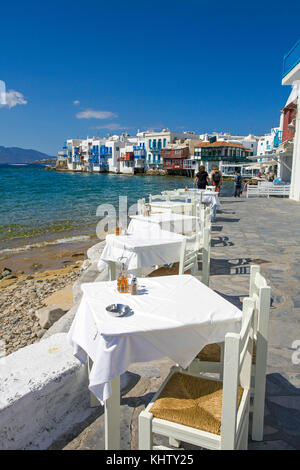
(175, 153)
(291, 65)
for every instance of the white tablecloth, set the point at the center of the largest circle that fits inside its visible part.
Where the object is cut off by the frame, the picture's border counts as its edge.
(176, 223)
(208, 197)
(142, 250)
(174, 316)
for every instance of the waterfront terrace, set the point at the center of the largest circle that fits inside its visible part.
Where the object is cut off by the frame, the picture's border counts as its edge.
(253, 231)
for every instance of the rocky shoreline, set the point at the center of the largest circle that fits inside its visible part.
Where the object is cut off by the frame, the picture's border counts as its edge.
(36, 305)
(22, 297)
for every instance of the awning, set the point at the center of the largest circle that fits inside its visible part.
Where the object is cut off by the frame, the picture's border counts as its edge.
(259, 165)
(271, 163)
(254, 166)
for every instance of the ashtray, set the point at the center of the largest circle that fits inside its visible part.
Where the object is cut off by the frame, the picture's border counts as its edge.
(118, 310)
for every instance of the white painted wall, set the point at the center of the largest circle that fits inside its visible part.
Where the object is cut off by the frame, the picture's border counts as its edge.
(43, 394)
(295, 180)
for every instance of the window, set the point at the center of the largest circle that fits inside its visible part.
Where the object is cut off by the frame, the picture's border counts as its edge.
(159, 143)
(150, 143)
(165, 142)
(154, 143)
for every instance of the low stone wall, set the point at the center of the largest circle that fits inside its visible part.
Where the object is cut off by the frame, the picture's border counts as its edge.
(43, 394)
(44, 388)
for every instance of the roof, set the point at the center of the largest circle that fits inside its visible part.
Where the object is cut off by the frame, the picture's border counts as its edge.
(220, 143)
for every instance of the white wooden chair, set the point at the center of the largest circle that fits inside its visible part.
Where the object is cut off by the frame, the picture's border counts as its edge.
(210, 359)
(203, 257)
(211, 188)
(189, 254)
(206, 412)
(203, 216)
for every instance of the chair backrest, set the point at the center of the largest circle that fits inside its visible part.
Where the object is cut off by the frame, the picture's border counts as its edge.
(237, 373)
(179, 197)
(260, 293)
(159, 197)
(141, 206)
(188, 255)
(172, 192)
(211, 188)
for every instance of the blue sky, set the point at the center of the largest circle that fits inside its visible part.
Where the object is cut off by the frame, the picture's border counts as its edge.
(194, 65)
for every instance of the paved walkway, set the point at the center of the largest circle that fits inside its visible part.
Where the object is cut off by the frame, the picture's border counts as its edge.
(247, 231)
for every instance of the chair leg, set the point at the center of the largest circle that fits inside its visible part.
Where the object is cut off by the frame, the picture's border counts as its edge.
(259, 395)
(258, 411)
(145, 431)
(244, 440)
(222, 348)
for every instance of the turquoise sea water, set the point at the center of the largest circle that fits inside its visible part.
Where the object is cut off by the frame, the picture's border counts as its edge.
(43, 206)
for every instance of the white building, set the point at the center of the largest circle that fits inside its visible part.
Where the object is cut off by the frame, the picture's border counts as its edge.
(291, 76)
(268, 142)
(155, 141)
(109, 154)
(250, 141)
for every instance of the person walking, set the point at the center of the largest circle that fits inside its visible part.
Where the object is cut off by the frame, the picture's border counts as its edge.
(201, 178)
(216, 178)
(237, 183)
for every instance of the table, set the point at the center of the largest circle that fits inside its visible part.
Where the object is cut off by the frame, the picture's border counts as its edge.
(177, 223)
(142, 250)
(174, 316)
(208, 197)
(170, 206)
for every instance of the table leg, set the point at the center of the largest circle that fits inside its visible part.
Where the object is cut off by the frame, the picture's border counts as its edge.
(112, 417)
(112, 270)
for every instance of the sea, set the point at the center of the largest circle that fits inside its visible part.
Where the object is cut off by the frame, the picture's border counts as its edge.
(40, 207)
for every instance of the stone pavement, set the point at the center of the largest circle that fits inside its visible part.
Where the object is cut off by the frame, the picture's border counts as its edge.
(247, 231)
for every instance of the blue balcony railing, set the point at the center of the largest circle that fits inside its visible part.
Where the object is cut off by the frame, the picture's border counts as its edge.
(291, 59)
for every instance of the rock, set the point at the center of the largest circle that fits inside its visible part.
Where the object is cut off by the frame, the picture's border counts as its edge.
(29, 278)
(62, 298)
(36, 266)
(49, 315)
(5, 272)
(63, 324)
(40, 333)
(19, 273)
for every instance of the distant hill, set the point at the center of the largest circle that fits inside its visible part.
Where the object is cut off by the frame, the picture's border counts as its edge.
(18, 155)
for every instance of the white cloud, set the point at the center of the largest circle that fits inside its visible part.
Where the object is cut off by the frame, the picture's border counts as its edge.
(76, 102)
(13, 98)
(91, 113)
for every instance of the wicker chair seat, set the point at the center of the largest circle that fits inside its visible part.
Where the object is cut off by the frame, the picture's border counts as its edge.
(192, 401)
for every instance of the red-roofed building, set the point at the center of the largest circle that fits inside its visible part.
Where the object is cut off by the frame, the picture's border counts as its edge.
(220, 152)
